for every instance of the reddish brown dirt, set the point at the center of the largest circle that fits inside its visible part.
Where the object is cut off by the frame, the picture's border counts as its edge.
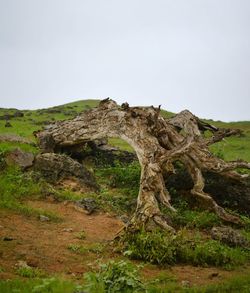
(194, 276)
(45, 245)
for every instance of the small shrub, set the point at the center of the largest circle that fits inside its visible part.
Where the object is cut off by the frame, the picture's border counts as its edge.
(113, 277)
(122, 176)
(29, 272)
(122, 187)
(153, 247)
(195, 219)
(76, 248)
(80, 249)
(165, 248)
(81, 235)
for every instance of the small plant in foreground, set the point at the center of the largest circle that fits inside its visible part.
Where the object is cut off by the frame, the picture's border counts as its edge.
(80, 249)
(81, 235)
(114, 277)
(75, 247)
(29, 272)
(50, 285)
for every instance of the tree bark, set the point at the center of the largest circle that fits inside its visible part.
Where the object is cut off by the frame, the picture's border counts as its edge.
(158, 142)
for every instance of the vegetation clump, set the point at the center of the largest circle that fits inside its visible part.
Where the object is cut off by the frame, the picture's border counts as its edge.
(163, 248)
(114, 277)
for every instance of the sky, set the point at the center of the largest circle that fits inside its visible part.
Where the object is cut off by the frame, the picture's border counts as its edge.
(182, 54)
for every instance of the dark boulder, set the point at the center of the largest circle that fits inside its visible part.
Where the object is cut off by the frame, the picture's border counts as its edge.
(7, 124)
(226, 191)
(18, 114)
(230, 237)
(54, 167)
(89, 204)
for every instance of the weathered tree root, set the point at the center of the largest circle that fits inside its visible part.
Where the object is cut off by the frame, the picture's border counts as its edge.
(158, 143)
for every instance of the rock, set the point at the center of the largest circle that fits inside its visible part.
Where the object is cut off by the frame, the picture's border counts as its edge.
(15, 138)
(18, 114)
(213, 275)
(106, 155)
(7, 124)
(22, 264)
(43, 218)
(185, 283)
(19, 158)
(54, 167)
(227, 192)
(67, 230)
(32, 262)
(124, 219)
(229, 236)
(7, 238)
(89, 204)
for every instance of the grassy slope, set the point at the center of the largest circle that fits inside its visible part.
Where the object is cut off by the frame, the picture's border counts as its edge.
(13, 182)
(232, 148)
(25, 126)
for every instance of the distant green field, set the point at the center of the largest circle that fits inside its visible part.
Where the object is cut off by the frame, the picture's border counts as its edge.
(34, 119)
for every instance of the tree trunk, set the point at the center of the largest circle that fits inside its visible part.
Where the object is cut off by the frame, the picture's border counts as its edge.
(158, 142)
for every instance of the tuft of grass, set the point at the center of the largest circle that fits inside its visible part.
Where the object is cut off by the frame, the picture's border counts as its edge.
(165, 248)
(94, 283)
(121, 276)
(10, 146)
(29, 272)
(15, 187)
(120, 187)
(81, 235)
(195, 219)
(121, 176)
(49, 285)
(121, 144)
(236, 284)
(80, 249)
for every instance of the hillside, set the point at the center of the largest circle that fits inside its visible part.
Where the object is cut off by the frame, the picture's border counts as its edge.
(49, 243)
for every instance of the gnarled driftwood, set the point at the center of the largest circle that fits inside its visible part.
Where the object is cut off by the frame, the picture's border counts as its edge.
(158, 142)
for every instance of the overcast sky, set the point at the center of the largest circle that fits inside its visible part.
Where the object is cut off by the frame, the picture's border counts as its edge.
(192, 54)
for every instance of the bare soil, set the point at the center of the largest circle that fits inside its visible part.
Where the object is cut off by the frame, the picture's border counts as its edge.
(45, 245)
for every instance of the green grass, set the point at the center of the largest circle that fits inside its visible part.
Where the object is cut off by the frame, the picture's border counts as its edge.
(16, 187)
(121, 144)
(236, 147)
(195, 219)
(236, 284)
(9, 146)
(29, 272)
(25, 126)
(94, 283)
(232, 148)
(112, 277)
(50, 285)
(163, 248)
(83, 249)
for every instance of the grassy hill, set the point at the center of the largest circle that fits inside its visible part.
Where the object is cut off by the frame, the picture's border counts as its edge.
(54, 255)
(232, 148)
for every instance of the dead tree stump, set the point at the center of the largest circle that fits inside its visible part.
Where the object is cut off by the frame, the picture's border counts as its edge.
(158, 143)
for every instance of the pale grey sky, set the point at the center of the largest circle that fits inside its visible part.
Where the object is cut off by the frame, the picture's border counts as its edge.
(192, 54)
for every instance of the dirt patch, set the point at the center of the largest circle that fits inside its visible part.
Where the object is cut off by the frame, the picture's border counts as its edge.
(45, 244)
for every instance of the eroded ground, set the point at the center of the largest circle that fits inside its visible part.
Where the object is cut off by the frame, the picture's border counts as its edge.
(72, 246)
